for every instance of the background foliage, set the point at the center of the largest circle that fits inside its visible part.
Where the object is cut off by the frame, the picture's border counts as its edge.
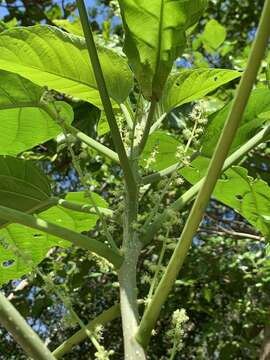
(225, 283)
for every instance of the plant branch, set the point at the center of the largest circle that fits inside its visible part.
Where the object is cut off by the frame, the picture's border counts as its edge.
(76, 238)
(148, 124)
(14, 323)
(93, 55)
(127, 276)
(102, 319)
(239, 103)
(148, 179)
(189, 195)
(104, 150)
(80, 135)
(89, 209)
(230, 233)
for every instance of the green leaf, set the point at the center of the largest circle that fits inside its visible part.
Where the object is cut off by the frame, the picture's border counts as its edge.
(268, 72)
(74, 27)
(49, 56)
(4, 25)
(214, 35)
(189, 85)
(255, 115)
(155, 35)
(22, 185)
(164, 146)
(34, 245)
(23, 124)
(249, 197)
(103, 126)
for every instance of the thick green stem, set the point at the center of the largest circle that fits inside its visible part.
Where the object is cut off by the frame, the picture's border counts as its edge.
(102, 319)
(257, 52)
(190, 194)
(106, 102)
(129, 309)
(14, 323)
(127, 278)
(76, 238)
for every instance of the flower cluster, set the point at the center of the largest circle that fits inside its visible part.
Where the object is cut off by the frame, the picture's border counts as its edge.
(198, 113)
(103, 354)
(179, 318)
(152, 158)
(199, 120)
(181, 155)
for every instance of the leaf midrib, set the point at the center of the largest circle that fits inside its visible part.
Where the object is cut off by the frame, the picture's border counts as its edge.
(159, 41)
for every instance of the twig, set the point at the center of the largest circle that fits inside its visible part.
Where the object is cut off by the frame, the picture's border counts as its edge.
(235, 234)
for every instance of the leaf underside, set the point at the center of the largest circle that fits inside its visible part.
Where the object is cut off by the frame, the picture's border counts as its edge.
(23, 186)
(23, 123)
(51, 57)
(155, 37)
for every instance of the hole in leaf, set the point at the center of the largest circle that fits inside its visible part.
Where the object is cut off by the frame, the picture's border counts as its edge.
(8, 263)
(215, 78)
(239, 197)
(177, 84)
(37, 235)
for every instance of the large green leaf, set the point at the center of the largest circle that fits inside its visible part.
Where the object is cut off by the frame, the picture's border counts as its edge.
(35, 244)
(256, 113)
(155, 37)
(189, 85)
(250, 197)
(49, 56)
(22, 185)
(23, 124)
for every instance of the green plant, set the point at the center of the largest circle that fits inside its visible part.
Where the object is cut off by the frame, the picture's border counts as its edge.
(39, 63)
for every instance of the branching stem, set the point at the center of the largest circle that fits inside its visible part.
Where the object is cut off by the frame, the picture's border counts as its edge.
(239, 103)
(190, 194)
